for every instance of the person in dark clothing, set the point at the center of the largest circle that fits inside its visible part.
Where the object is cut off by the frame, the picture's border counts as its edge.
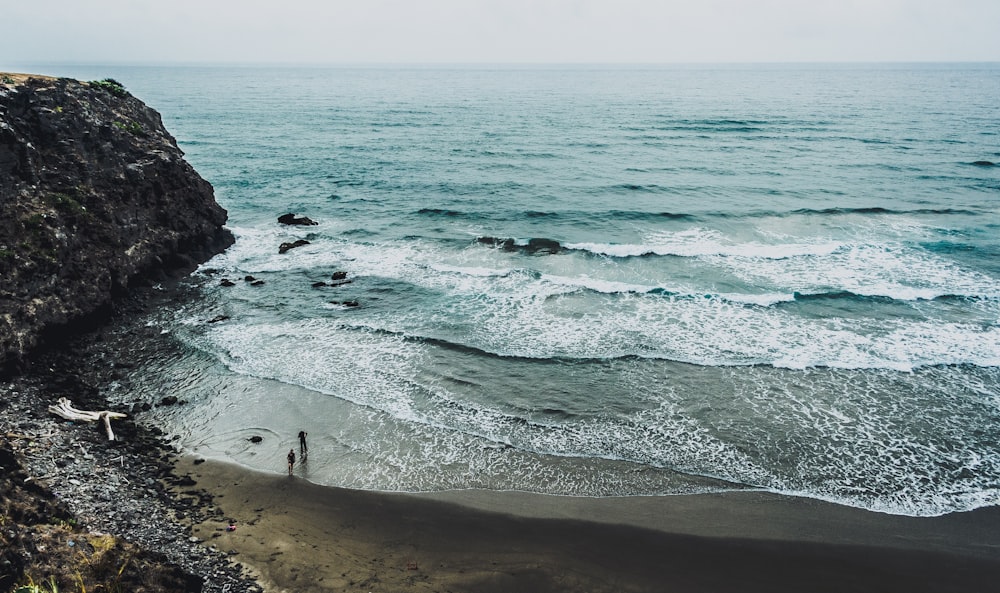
(303, 448)
(291, 460)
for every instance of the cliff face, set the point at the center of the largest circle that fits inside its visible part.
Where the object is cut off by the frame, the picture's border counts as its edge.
(95, 198)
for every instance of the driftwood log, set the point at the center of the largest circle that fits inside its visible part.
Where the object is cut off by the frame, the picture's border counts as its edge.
(64, 409)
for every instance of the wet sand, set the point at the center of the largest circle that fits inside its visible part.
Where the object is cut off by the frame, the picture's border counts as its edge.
(301, 537)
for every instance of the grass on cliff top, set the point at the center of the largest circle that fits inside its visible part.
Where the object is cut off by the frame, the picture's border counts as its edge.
(9, 78)
(109, 84)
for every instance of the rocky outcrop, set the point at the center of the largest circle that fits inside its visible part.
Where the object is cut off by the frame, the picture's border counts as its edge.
(287, 246)
(537, 246)
(95, 199)
(292, 219)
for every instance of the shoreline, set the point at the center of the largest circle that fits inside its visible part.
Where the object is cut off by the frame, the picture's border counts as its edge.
(124, 488)
(296, 536)
(299, 536)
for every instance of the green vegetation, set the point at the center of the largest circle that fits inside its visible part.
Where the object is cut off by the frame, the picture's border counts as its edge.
(6, 79)
(65, 203)
(110, 85)
(35, 222)
(33, 587)
(131, 127)
(98, 564)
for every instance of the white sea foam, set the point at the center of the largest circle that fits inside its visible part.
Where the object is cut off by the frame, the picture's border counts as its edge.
(761, 300)
(470, 271)
(886, 270)
(597, 284)
(700, 242)
(844, 432)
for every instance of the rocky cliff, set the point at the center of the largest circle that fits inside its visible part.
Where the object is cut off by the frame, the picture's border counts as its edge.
(95, 198)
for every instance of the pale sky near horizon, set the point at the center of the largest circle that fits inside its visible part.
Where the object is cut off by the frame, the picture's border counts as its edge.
(497, 31)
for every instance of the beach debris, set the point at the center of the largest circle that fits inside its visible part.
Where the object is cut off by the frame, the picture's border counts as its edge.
(291, 218)
(64, 409)
(255, 439)
(412, 565)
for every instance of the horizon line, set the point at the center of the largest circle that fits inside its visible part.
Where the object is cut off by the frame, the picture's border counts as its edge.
(426, 64)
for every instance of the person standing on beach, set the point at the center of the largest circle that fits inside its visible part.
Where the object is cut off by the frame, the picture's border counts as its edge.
(291, 460)
(303, 448)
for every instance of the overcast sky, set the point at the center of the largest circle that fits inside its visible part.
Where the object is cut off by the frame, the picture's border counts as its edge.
(433, 31)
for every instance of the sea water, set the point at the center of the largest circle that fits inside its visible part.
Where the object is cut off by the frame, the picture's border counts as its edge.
(779, 277)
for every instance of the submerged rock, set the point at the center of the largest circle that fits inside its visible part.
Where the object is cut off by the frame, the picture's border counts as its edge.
(534, 246)
(543, 246)
(505, 244)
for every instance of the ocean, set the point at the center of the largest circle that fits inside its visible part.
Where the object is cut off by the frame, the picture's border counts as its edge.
(595, 280)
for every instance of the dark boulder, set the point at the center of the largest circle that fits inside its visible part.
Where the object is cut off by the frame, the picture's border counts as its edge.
(291, 219)
(340, 279)
(285, 247)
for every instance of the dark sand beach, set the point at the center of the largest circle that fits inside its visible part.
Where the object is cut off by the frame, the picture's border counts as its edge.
(298, 536)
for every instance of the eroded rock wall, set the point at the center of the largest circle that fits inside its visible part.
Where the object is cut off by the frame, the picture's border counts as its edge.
(95, 198)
